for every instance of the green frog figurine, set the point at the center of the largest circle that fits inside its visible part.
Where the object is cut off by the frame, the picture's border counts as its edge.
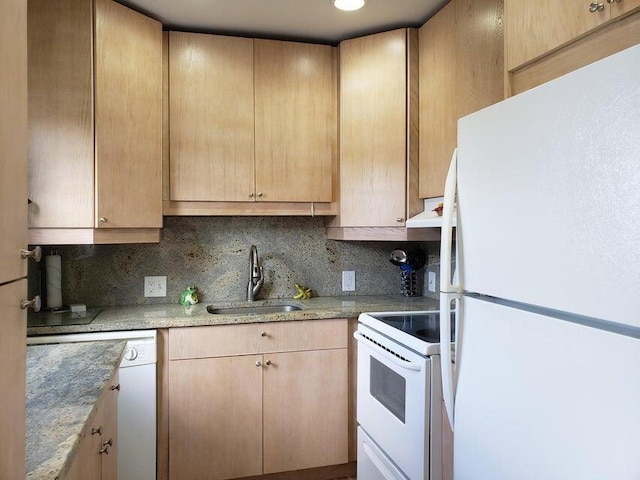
(189, 296)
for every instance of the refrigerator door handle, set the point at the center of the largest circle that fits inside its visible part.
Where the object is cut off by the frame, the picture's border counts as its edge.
(445, 354)
(447, 227)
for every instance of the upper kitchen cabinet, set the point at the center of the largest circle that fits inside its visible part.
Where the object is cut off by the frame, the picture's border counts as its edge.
(378, 137)
(544, 40)
(296, 122)
(252, 126)
(211, 117)
(95, 123)
(461, 71)
(13, 141)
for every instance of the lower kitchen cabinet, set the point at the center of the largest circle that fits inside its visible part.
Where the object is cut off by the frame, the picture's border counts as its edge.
(304, 410)
(13, 321)
(97, 458)
(215, 417)
(273, 399)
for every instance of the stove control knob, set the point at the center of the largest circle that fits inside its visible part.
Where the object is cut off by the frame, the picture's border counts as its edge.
(131, 354)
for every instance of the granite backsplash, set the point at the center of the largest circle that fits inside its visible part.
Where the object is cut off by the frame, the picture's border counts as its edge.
(212, 253)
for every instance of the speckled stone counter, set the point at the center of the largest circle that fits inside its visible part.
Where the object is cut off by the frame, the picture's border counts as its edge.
(64, 383)
(174, 315)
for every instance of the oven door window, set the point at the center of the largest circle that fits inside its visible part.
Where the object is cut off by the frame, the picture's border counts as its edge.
(388, 388)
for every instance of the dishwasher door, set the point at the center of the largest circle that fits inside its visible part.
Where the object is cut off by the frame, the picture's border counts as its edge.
(137, 411)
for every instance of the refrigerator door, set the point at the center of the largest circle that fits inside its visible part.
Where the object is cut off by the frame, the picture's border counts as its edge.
(540, 398)
(549, 196)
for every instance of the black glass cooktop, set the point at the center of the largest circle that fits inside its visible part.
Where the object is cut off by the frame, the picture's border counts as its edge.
(425, 326)
(61, 318)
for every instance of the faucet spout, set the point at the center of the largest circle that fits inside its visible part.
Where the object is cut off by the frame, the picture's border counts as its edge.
(256, 275)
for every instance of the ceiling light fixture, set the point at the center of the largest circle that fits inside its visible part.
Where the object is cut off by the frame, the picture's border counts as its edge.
(348, 5)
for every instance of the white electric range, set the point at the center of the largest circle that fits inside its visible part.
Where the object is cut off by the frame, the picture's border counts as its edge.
(399, 407)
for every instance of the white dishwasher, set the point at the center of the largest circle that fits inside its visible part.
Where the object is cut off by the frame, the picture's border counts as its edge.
(136, 401)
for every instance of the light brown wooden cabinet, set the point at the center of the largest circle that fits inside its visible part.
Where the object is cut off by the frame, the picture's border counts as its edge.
(461, 71)
(211, 117)
(534, 29)
(252, 126)
(13, 321)
(13, 235)
(13, 140)
(258, 398)
(544, 40)
(95, 123)
(296, 121)
(378, 137)
(97, 457)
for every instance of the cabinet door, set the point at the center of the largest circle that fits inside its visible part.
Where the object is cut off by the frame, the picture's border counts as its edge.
(87, 463)
(13, 139)
(305, 410)
(622, 7)
(211, 117)
(373, 81)
(61, 114)
(438, 103)
(535, 28)
(296, 122)
(110, 434)
(128, 117)
(13, 321)
(215, 418)
(479, 56)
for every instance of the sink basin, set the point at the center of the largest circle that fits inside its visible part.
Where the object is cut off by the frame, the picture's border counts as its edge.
(253, 309)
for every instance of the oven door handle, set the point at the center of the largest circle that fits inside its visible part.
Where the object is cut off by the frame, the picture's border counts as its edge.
(406, 365)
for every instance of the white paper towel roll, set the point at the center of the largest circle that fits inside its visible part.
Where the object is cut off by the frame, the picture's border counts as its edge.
(53, 264)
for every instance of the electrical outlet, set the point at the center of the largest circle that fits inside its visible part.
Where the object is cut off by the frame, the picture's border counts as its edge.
(431, 281)
(348, 281)
(155, 286)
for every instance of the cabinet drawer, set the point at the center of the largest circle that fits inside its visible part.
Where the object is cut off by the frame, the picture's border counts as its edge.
(245, 339)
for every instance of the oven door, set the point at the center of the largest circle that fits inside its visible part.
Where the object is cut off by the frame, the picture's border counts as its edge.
(393, 400)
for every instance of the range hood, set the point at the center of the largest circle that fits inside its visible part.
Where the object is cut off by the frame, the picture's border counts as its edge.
(428, 218)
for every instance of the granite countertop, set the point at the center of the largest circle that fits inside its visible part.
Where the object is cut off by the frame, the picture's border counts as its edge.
(64, 384)
(175, 315)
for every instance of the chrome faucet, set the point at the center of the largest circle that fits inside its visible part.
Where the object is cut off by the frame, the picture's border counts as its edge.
(256, 277)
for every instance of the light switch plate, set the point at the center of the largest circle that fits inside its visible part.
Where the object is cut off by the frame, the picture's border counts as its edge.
(431, 281)
(348, 281)
(155, 286)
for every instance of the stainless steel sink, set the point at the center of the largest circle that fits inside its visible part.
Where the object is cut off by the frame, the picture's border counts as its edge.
(253, 309)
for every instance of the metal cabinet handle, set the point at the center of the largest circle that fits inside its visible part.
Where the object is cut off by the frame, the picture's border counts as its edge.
(260, 194)
(596, 6)
(258, 363)
(36, 253)
(105, 447)
(35, 303)
(399, 219)
(96, 430)
(115, 387)
(263, 334)
(103, 219)
(268, 362)
(251, 195)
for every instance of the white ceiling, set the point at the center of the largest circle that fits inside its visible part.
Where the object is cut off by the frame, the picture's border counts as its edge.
(307, 20)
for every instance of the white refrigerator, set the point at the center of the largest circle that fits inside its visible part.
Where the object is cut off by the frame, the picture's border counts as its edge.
(546, 288)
